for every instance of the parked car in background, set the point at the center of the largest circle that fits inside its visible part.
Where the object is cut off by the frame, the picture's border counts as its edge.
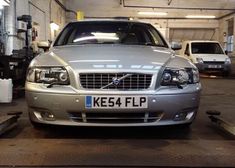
(111, 73)
(206, 55)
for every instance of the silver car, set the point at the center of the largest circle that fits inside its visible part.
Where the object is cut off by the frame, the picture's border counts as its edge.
(111, 73)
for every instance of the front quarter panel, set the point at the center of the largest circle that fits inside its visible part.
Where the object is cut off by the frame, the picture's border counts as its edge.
(47, 59)
(179, 62)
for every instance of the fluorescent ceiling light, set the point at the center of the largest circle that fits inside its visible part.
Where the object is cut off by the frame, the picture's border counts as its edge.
(54, 26)
(200, 16)
(153, 13)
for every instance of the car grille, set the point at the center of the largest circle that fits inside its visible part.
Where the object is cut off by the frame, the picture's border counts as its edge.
(124, 81)
(130, 117)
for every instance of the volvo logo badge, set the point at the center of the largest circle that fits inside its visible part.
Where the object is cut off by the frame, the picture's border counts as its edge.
(115, 81)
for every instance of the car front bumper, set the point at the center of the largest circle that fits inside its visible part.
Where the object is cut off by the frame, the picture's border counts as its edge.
(213, 67)
(67, 107)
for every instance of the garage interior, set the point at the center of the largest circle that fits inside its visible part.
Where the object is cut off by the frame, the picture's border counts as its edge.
(27, 27)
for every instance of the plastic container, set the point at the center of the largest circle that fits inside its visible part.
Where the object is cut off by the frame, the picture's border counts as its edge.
(6, 92)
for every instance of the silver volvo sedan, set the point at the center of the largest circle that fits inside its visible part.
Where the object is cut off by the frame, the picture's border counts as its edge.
(111, 73)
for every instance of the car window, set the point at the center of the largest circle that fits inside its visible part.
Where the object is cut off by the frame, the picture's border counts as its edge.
(206, 48)
(110, 33)
(137, 34)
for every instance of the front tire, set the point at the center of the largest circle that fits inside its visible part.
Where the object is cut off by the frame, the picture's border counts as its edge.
(226, 73)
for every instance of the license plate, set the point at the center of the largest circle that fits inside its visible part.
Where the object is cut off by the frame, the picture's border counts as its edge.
(214, 66)
(105, 102)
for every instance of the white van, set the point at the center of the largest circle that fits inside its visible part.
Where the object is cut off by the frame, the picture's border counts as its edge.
(206, 55)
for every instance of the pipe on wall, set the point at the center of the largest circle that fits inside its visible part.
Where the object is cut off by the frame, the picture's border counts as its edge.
(10, 27)
(65, 9)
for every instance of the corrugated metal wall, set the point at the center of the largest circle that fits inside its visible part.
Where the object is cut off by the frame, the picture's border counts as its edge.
(182, 34)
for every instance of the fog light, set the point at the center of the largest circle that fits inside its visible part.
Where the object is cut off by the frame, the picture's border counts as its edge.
(180, 116)
(47, 116)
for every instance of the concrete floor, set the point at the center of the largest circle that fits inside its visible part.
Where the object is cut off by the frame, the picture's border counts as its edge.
(203, 145)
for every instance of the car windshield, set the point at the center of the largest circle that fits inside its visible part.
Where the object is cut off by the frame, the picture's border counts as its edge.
(108, 32)
(206, 48)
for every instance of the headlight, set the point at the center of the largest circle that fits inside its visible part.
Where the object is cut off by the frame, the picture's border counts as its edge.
(199, 60)
(179, 76)
(228, 61)
(48, 75)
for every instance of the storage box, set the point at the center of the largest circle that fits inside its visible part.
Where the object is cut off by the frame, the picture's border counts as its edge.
(6, 87)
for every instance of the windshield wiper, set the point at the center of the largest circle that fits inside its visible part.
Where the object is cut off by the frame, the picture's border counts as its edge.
(159, 45)
(152, 44)
(146, 44)
(107, 42)
(81, 43)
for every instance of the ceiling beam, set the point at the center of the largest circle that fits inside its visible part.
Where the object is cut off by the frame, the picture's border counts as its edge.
(172, 7)
(229, 14)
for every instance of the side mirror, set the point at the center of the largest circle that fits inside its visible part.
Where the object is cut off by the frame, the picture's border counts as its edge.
(226, 52)
(45, 45)
(176, 46)
(50, 42)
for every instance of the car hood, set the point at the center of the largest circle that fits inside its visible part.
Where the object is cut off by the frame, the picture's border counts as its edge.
(111, 56)
(212, 57)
